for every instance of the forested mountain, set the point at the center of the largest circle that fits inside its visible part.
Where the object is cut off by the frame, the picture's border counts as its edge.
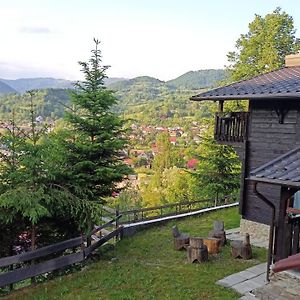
(6, 89)
(144, 98)
(49, 103)
(198, 79)
(25, 84)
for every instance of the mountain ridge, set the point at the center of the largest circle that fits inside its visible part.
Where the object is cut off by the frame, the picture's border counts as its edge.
(190, 80)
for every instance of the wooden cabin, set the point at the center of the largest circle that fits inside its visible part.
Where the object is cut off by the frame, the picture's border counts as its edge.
(268, 131)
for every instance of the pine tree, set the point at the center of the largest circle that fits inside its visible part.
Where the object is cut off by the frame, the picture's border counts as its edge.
(94, 164)
(24, 173)
(218, 172)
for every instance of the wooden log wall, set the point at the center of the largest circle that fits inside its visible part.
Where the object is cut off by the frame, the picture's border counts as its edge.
(267, 140)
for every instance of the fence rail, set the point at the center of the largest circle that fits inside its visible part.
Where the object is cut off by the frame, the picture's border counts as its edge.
(149, 213)
(19, 271)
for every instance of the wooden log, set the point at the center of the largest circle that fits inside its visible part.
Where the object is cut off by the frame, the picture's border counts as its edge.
(241, 249)
(213, 245)
(197, 251)
(196, 242)
(218, 232)
(181, 243)
(218, 225)
(181, 240)
(175, 231)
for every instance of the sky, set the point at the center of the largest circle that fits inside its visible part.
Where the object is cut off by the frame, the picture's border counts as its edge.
(158, 38)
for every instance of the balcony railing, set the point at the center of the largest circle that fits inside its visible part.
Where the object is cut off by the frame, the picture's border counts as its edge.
(231, 127)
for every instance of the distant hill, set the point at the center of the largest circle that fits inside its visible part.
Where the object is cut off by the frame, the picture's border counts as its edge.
(25, 84)
(140, 90)
(6, 89)
(145, 98)
(198, 79)
(141, 80)
(112, 80)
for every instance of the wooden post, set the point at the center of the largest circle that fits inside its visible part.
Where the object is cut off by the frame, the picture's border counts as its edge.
(282, 233)
(220, 106)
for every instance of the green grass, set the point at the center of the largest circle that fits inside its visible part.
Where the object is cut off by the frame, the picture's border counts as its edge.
(147, 267)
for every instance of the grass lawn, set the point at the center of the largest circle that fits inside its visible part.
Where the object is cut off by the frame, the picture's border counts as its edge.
(146, 267)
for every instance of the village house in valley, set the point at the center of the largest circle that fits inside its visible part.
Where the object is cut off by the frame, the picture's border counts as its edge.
(267, 139)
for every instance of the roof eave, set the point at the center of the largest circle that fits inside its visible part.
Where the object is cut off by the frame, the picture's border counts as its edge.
(286, 183)
(277, 96)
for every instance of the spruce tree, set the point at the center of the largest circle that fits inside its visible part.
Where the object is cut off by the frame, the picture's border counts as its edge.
(94, 164)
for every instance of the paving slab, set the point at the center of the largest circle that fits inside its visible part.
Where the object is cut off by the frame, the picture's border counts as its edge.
(233, 230)
(258, 269)
(246, 286)
(236, 278)
(248, 297)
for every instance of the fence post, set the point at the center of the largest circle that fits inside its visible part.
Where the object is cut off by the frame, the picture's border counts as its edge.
(117, 221)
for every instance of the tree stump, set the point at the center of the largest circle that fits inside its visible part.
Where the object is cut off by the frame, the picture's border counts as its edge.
(181, 240)
(241, 249)
(213, 245)
(218, 232)
(197, 251)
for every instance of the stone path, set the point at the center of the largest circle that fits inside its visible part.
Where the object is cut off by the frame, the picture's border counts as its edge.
(281, 287)
(246, 281)
(252, 284)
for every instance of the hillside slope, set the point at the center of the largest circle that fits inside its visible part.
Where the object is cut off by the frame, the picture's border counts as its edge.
(199, 79)
(5, 88)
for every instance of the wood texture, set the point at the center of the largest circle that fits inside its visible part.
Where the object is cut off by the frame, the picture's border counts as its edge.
(218, 232)
(241, 249)
(181, 240)
(104, 239)
(197, 251)
(213, 245)
(57, 247)
(34, 270)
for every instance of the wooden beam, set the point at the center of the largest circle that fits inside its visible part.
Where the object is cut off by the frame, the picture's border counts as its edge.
(221, 106)
(26, 256)
(34, 270)
(90, 249)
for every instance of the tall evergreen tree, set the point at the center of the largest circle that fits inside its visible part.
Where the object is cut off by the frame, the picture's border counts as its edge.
(218, 172)
(264, 47)
(94, 164)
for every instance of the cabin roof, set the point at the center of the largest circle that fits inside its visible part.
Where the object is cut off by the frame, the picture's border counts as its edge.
(281, 83)
(283, 170)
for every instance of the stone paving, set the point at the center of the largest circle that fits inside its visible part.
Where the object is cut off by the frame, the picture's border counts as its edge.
(246, 281)
(281, 287)
(252, 284)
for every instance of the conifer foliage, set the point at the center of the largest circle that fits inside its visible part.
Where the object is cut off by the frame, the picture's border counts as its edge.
(97, 134)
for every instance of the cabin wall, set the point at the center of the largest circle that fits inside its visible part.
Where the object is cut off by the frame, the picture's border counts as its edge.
(268, 139)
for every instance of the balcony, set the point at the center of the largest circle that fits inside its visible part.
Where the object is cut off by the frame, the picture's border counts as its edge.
(231, 127)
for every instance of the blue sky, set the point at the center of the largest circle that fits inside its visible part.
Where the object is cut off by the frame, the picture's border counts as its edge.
(159, 38)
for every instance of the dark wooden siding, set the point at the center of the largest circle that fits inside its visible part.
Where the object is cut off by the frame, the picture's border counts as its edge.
(268, 139)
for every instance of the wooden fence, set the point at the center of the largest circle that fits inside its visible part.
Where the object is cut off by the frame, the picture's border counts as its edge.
(149, 213)
(24, 265)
